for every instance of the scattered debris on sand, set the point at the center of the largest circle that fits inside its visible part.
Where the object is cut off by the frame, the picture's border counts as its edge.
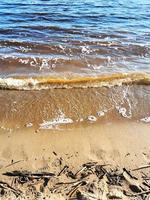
(91, 181)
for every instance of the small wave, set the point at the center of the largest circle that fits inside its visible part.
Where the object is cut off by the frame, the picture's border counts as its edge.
(45, 82)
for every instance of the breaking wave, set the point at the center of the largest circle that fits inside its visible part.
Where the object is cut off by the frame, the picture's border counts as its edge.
(46, 82)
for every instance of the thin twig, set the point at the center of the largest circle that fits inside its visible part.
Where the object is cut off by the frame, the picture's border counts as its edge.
(63, 170)
(142, 167)
(13, 163)
(140, 193)
(71, 193)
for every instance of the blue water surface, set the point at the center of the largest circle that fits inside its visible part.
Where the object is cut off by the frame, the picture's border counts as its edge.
(98, 36)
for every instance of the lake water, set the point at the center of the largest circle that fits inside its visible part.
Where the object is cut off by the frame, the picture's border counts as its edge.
(64, 38)
(74, 78)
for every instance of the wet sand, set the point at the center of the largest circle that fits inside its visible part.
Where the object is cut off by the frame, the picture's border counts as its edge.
(74, 88)
(96, 123)
(119, 144)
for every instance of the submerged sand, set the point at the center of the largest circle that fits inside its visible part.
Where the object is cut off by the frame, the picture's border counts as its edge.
(46, 108)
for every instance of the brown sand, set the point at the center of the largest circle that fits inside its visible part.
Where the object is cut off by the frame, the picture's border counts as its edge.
(124, 144)
(120, 145)
(116, 138)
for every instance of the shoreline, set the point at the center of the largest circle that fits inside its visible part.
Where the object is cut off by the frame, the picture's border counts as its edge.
(111, 143)
(47, 82)
(48, 109)
(41, 129)
(116, 145)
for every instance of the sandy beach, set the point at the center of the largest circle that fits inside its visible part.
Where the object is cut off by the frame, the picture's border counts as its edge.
(74, 100)
(36, 137)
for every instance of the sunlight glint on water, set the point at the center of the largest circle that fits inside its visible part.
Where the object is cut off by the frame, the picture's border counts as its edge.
(81, 38)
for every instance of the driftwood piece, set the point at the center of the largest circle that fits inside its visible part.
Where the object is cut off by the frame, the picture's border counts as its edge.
(84, 183)
(29, 174)
(72, 192)
(6, 186)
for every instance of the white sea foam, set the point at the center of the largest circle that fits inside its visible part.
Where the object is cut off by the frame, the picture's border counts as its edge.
(28, 125)
(38, 83)
(101, 113)
(92, 118)
(61, 119)
(146, 119)
(17, 83)
(123, 112)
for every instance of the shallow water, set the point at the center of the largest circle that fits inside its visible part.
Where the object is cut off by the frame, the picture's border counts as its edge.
(97, 54)
(70, 108)
(78, 45)
(74, 38)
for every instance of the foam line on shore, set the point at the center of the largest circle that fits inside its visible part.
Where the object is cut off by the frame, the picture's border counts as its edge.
(47, 82)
